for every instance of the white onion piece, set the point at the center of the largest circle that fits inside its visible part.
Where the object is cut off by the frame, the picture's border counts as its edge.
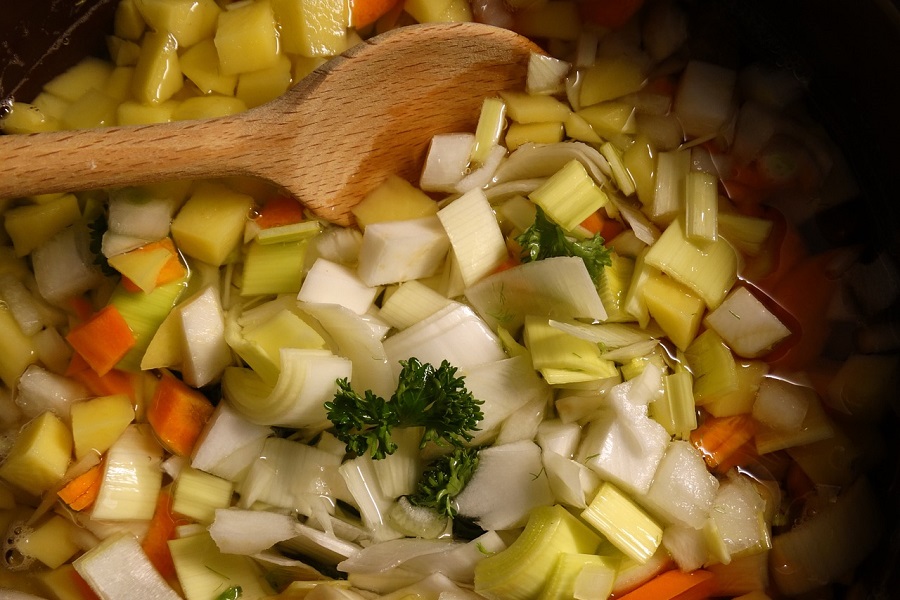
(64, 266)
(321, 546)
(332, 283)
(530, 161)
(546, 74)
(521, 187)
(224, 434)
(572, 483)
(482, 176)
(522, 424)
(362, 482)
(392, 553)
(237, 531)
(21, 303)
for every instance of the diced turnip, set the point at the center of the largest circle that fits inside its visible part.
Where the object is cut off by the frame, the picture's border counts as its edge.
(561, 438)
(64, 266)
(204, 349)
(331, 283)
(226, 433)
(40, 390)
(686, 545)
(446, 162)
(571, 482)
(738, 515)
(746, 325)
(131, 214)
(705, 98)
(395, 251)
(683, 489)
(781, 405)
(119, 568)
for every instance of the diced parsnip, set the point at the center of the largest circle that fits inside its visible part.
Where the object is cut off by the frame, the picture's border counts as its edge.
(709, 272)
(569, 196)
(210, 225)
(137, 113)
(157, 75)
(669, 195)
(446, 162)
(623, 523)
(746, 233)
(204, 350)
(131, 477)
(246, 38)
(313, 28)
(535, 133)
(39, 455)
(491, 123)
(28, 118)
(72, 84)
(704, 101)
(189, 21)
(119, 568)
(438, 11)
(128, 23)
(701, 202)
(529, 108)
(563, 358)
(676, 410)
(394, 200)
(750, 374)
(610, 78)
(676, 309)
(713, 367)
(746, 325)
(475, 236)
(683, 489)
(98, 422)
(200, 64)
(31, 225)
(395, 251)
(546, 74)
(207, 107)
(331, 283)
(51, 542)
(609, 119)
(198, 495)
(94, 109)
(258, 87)
(410, 303)
(557, 20)
(816, 426)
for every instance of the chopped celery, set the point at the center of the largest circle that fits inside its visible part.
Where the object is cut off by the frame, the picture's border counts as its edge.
(569, 196)
(203, 571)
(491, 123)
(273, 268)
(675, 410)
(521, 570)
(580, 576)
(672, 169)
(713, 367)
(634, 303)
(294, 232)
(563, 358)
(412, 302)
(613, 286)
(675, 309)
(746, 233)
(701, 202)
(624, 523)
(474, 234)
(621, 175)
(709, 271)
(198, 494)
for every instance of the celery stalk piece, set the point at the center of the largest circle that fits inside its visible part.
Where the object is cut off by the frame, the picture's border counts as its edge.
(580, 576)
(446, 161)
(634, 303)
(709, 271)
(198, 494)
(273, 268)
(559, 287)
(615, 279)
(454, 333)
(623, 523)
(676, 410)
(332, 283)
(205, 352)
(563, 358)
(683, 489)
(713, 367)
(410, 303)
(475, 236)
(395, 251)
(569, 196)
(672, 169)
(520, 134)
(238, 531)
(294, 232)
(515, 468)
(362, 481)
(118, 568)
(546, 75)
(622, 177)
(203, 571)
(747, 234)
(701, 202)
(520, 571)
(746, 325)
(144, 314)
(491, 123)
(131, 477)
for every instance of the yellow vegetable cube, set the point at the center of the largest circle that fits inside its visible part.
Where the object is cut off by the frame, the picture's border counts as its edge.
(535, 133)
(259, 87)
(304, 65)
(98, 422)
(609, 119)
(157, 76)
(200, 64)
(51, 105)
(534, 108)
(40, 455)
(72, 84)
(135, 113)
(438, 11)
(51, 542)
(676, 309)
(28, 118)
(394, 200)
(124, 53)
(609, 78)
(17, 350)
(313, 27)
(128, 23)
(247, 39)
(210, 225)
(207, 107)
(31, 225)
(93, 109)
(189, 21)
(118, 86)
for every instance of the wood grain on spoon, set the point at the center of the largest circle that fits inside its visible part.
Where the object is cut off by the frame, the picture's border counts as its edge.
(328, 141)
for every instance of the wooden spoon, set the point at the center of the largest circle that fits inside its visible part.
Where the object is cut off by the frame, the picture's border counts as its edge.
(328, 141)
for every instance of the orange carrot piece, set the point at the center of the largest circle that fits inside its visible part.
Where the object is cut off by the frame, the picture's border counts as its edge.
(675, 585)
(718, 438)
(111, 383)
(366, 12)
(172, 270)
(609, 13)
(744, 455)
(161, 530)
(280, 210)
(594, 222)
(103, 339)
(81, 491)
(81, 306)
(177, 414)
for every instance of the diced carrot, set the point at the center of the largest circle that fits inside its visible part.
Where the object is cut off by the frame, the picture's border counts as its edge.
(280, 210)
(718, 438)
(172, 270)
(80, 492)
(366, 12)
(177, 414)
(161, 530)
(743, 455)
(81, 306)
(594, 222)
(113, 382)
(609, 13)
(675, 585)
(103, 340)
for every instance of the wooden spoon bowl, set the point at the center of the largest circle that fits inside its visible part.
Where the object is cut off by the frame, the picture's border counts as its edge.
(328, 141)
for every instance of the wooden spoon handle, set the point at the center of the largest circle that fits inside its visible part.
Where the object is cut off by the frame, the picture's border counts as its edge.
(117, 156)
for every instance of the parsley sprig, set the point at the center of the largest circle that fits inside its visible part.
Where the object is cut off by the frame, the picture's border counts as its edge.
(433, 398)
(444, 479)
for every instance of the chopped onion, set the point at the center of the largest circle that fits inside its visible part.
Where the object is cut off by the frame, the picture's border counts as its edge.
(237, 531)
(530, 161)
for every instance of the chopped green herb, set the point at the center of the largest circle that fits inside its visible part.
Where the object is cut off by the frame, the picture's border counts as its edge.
(232, 593)
(444, 479)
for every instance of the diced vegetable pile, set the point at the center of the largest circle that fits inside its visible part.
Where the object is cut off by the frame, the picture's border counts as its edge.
(593, 351)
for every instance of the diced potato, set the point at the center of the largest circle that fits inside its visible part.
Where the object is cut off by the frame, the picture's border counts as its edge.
(304, 65)
(200, 64)
(40, 455)
(259, 87)
(124, 53)
(394, 200)
(313, 27)
(439, 11)
(51, 542)
(118, 86)
(90, 73)
(528, 108)
(189, 21)
(28, 118)
(557, 20)
(206, 107)
(31, 225)
(246, 39)
(64, 583)
(211, 223)
(164, 350)
(609, 78)
(676, 309)
(135, 113)
(128, 24)
(157, 76)
(609, 119)
(93, 109)
(51, 105)
(579, 129)
(98, 422)
(536, 133)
